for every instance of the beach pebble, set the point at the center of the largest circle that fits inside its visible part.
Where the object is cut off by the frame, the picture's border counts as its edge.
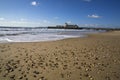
(4, 75)
(78, 67)
(91, 78)
(20, 69)
(42, 78)
(107, 78)
(36, 72)
(86, 75)
(25, 75)
(62, 75)
(115, 61)
(96, 58)
(34, 76)
(6, 71)
(86, 69)
(28, 68)
(20, 77)
(26, 79)
(12, 76)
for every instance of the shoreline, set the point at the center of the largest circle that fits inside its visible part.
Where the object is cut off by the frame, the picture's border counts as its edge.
(95, 57)
(43, 35)
(81, 36)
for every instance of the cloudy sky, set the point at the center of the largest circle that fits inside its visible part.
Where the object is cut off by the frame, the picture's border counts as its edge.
(33, 13)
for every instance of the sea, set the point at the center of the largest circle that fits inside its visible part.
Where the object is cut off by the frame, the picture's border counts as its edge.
(38, 34)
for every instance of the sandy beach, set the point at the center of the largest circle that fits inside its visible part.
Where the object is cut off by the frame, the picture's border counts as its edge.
(96, 57)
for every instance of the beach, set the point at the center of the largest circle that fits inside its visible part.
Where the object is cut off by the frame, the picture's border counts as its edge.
(96, 57)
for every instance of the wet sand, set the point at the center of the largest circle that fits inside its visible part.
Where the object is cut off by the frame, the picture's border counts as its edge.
(96, 57)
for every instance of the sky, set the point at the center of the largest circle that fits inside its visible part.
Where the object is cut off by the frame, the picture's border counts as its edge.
(43, 13)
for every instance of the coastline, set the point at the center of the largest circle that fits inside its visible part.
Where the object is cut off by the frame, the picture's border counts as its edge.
(95, 57)
(38, 34)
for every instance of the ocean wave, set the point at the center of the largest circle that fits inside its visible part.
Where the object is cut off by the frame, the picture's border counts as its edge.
(4, 40)
(41, 34)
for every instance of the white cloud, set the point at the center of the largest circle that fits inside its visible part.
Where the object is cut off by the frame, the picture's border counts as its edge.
(22, 19)
(34, 3)
(56, 17)
(94, 16)
(1, 19)
(87, 0)
(46, 21)
(26, 23)
(89, 25)
(98, 25)
(19, 23)
(69, 22)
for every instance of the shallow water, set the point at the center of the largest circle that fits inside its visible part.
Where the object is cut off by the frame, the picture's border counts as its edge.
(23, 34)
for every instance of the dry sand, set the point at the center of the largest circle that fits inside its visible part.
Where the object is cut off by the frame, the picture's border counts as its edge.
(96, 57)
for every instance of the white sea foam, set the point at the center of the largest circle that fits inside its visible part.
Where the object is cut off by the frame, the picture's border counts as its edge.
(4, 40)
(36, 35)
(36, 38)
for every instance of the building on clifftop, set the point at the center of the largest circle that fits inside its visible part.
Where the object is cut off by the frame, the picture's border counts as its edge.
(70, 26)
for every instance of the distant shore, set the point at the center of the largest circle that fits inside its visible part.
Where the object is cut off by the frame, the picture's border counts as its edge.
(96, 57)
(88, 28)
(54, 27)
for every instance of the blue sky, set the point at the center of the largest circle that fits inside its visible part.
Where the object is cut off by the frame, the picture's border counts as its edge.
(35, 13)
